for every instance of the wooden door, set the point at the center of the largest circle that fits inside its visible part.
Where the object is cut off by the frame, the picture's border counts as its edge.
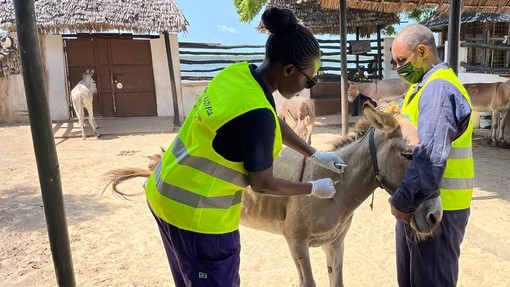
(124, 74)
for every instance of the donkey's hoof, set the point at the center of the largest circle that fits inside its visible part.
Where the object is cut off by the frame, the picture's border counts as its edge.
(98, 135)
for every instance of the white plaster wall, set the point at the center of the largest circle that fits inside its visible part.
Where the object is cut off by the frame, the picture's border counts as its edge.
(190, 93)
(389, 71)
(162, 80)
(13, 103)
(54, 63)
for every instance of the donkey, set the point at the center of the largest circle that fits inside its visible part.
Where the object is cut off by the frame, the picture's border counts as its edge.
(82, 96)
(299, 113)
(387, 90)
(377, 153)
(494, 97)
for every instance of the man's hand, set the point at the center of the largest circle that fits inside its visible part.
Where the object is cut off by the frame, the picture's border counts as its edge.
(399, 215)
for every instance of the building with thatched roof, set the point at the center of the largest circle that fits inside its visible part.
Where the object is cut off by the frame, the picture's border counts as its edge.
(327, 21)
(132, 46)
(442, 6)
(484, 40)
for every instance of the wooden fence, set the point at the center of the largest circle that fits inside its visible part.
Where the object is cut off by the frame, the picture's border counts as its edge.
(202, 61)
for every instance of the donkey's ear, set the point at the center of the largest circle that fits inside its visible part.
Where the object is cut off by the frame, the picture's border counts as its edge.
(87, 71)
(91, 72)
(380, 120)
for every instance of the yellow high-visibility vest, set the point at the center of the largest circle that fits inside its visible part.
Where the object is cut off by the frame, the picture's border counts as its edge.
(457, 184)
(193, 187)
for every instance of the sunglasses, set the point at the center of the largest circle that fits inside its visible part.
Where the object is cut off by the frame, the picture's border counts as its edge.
(309, 82)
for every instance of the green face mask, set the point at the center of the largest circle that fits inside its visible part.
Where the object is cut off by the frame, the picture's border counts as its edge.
(409, 74)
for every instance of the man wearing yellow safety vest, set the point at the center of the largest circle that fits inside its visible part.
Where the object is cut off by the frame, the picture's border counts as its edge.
(227, 142)
(442, 162)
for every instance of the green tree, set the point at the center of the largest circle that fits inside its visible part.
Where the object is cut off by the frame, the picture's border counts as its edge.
(248, 9)
(416, 15)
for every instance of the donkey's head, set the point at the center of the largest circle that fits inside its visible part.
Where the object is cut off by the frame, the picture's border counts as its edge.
(391, 154)
(352, 91)
(87, 80)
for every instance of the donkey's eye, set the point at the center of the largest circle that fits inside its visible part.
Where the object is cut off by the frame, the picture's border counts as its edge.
(408, 156)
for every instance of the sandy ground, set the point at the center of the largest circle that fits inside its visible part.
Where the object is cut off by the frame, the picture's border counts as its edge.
(115, 242)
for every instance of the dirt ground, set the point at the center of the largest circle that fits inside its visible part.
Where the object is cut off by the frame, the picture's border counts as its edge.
(115, 242)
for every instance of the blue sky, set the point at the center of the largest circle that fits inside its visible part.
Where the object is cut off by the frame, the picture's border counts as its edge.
(216, 21)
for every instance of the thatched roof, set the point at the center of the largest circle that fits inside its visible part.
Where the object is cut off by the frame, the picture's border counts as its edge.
(439, 21)
(75, 16)
(10, 63)
(327, 21)
(397, 6)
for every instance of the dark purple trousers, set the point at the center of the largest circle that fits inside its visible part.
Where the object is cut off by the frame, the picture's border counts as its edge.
(435, 261)
(201, 259)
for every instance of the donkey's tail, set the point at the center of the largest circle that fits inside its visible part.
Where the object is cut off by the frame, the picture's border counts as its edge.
(117, 176)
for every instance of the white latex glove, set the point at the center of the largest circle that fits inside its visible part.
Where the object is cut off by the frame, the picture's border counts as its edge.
(323, 188)
(329, 160)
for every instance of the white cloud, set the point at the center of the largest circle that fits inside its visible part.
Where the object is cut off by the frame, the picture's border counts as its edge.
(226, 29)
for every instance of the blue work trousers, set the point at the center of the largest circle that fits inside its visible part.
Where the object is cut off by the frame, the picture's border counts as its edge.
(209, 260)
(433, 262)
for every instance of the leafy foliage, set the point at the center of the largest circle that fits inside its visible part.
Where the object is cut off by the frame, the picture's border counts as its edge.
(248, 9)
(416, 15)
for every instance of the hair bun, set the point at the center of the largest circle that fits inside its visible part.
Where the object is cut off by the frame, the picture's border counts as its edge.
(278, 20)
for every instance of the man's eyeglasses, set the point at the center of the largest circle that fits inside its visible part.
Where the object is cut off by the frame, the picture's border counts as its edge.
(309, 82)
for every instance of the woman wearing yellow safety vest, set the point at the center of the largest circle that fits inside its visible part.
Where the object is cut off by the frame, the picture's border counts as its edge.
(227, 142)
(442, 162)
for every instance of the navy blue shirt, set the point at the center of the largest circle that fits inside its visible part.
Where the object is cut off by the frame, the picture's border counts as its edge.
(249, 138)
(443, 116)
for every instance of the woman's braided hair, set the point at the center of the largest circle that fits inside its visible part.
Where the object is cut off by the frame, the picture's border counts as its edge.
(289, 42)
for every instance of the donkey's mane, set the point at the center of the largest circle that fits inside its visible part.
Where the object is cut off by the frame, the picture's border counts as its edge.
(359, 129)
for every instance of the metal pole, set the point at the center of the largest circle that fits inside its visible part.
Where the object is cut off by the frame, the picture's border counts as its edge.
(453, 34)
(343, 64)
(177, 122)
(43, 140)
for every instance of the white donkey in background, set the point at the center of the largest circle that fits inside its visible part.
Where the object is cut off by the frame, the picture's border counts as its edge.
(82, 96)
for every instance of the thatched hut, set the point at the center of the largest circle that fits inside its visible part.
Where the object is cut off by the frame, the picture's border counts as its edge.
(442, 6)
(484, 40)
(327, 21)
(126, 42)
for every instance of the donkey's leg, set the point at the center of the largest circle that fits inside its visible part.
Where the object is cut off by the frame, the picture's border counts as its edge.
(92, 121)
(300, 254)
(502, 141)
(335, 257)
(495, 122)
(80, 112)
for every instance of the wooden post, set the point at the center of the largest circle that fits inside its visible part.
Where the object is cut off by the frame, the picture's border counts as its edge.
(453, 34)
(177, 122)
(343, 64)
(43, 140)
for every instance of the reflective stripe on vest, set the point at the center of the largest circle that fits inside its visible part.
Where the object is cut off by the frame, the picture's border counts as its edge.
(192, 199)
(195, 188)
(457, 184)
(208, 166)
